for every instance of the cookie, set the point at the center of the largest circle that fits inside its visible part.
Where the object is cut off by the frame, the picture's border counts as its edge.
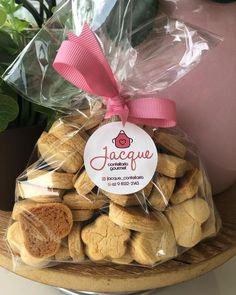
(43, 227)
(187, 186)
(50, 179)
(25, 190)
(209, 227)
(69, 135)
(59, 154)
(186, 219)
(34, 261)
(149, 130)
(82, 215)
(133, 218)
(86, 120)
(14, 238)
(162, 192)
(16, 242)
(76, 248)
(197, 208)
(170, 143)
(21, 206)
(125, 200)
(151, 248)
(148, 189)
(104, 239)
(63, 254)
(126, 259)
(90, 201)
(83, 184)
(171, 166)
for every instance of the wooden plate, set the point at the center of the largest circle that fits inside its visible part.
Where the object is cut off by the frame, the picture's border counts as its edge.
(99, 278)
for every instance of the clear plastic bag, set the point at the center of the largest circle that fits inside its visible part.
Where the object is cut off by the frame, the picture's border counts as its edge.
(60, 214)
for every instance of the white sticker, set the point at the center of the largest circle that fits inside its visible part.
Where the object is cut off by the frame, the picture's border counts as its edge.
(120, 159)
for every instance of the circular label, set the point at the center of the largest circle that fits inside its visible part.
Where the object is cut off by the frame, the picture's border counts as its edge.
(120, 159)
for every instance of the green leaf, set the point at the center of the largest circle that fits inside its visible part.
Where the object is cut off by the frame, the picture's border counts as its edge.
(7, 43)
(7, 90)
(3, 17)
(20, 25)
(2, 70)
(8, 111)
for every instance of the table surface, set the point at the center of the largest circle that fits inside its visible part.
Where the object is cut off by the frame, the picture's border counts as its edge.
(218, 282)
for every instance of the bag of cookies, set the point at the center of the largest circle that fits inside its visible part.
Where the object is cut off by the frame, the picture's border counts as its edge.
(113, 179)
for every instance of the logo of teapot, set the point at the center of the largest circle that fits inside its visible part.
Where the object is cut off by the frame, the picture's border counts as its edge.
(122, 141)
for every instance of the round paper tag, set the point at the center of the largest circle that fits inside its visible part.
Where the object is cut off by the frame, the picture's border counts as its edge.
(120, 159)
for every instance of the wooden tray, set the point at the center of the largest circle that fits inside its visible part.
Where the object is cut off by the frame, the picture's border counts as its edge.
(197, 261)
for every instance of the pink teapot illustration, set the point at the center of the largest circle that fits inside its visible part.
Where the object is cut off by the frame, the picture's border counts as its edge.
(122, 141)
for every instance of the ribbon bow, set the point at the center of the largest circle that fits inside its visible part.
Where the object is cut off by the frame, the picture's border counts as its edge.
(81, 61)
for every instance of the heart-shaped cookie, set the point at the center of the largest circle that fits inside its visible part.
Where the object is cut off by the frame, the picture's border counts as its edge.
(43, 227)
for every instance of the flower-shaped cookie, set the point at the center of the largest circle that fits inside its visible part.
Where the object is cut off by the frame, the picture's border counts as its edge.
(104, 239)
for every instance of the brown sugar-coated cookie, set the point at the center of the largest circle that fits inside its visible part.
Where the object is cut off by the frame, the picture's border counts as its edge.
(43, 227)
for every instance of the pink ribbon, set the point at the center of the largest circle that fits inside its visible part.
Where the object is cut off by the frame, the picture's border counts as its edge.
(81, 61)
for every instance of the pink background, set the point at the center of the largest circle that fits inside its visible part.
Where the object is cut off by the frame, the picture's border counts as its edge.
(206, 97)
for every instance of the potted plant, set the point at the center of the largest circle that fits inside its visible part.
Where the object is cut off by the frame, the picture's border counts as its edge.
(21, 122)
